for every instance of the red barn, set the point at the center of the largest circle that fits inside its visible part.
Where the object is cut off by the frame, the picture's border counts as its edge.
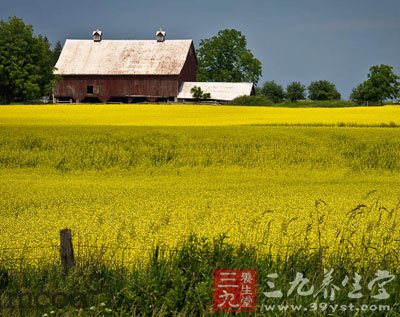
(103, 71)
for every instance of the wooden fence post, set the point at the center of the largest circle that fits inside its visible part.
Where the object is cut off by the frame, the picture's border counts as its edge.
(66, 250)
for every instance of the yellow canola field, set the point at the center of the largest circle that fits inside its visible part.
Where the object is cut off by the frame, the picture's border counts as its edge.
(192, 115)
(120, 219)
(124, 181)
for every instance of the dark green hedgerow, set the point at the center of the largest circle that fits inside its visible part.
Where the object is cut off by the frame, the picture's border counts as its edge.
(261, 101)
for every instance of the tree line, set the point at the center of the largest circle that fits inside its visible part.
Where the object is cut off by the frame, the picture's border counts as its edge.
(27, 62)
(225, 57)
(382, 84)
(295, 91)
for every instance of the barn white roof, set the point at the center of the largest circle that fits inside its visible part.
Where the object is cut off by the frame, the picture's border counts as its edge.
(123, 57)
(218, 91)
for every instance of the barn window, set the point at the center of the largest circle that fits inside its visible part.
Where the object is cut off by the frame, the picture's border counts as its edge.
(89, 89)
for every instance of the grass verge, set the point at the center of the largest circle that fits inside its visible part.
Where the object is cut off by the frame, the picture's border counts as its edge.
(180, 284)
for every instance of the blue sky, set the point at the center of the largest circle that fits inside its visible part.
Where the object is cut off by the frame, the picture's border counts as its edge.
(296, 40)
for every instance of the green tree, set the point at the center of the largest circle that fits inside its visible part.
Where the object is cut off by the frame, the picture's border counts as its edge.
(358, 94)
(26, 63)
(225, 58)
(362, 93)
(295, 91)
(382, 83)
(56, 51)
(273, 91)
(258, 91)
(197, 93)
(323, 90)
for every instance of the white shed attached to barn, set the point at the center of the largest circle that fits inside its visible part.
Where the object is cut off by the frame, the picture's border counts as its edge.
(222, 92)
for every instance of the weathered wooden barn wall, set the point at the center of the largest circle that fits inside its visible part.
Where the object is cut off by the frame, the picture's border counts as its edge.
(107, 87)
(189, 70)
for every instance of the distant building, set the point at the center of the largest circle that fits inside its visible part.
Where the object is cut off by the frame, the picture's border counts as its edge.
(127, 71)
(103, 71)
